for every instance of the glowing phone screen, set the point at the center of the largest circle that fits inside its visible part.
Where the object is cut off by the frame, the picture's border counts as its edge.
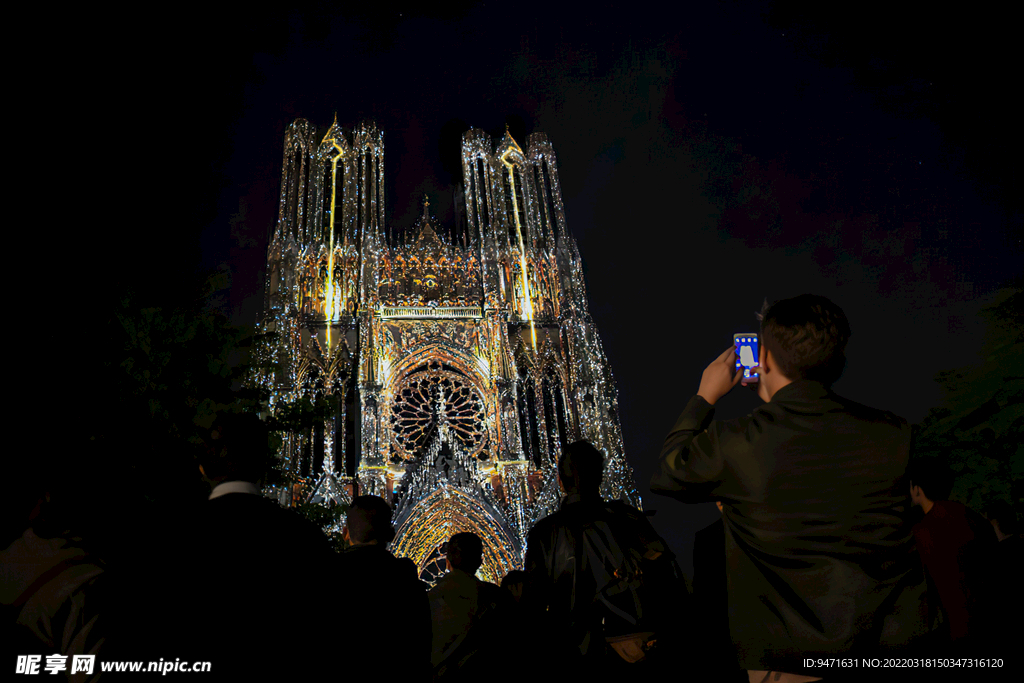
(746, 352)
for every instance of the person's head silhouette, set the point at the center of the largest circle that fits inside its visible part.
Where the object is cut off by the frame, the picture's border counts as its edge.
(369, 521)
(580, 469)
(465, 552)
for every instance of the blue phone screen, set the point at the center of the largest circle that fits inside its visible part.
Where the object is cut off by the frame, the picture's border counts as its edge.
(746, 353)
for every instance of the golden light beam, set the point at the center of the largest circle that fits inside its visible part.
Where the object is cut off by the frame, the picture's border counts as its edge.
(330, 296)
(527, 302)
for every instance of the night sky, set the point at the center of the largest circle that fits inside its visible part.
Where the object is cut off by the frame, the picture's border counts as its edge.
(710, 157)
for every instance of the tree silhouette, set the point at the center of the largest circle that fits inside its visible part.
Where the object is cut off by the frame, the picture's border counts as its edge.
(979, 427)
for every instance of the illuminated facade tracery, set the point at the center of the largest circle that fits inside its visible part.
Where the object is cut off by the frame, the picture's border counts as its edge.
(463, 364)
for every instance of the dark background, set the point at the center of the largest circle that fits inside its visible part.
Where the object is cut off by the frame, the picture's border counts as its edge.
(710, 156)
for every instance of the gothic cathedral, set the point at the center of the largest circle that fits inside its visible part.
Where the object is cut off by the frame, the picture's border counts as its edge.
(462, 360)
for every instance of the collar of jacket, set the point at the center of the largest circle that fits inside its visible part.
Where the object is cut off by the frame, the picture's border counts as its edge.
(799, 391)
(457, 577)
(579, 498)
(365, 548)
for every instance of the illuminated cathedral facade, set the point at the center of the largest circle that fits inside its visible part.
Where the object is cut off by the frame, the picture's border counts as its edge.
(462, 360)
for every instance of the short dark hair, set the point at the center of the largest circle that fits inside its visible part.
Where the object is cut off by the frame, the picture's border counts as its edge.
(236, 446)
(581, 467)
(807, 336)
(369, 519)
(465, 551)
(933, 475)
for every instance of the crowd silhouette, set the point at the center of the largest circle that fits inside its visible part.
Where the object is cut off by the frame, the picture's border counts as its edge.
(834, 541)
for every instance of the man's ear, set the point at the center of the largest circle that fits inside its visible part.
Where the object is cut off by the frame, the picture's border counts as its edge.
(762, 358)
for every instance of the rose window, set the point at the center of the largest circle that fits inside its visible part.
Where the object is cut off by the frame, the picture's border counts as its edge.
(424, 397)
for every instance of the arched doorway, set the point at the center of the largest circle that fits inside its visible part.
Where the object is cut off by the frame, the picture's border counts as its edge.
(445, 512)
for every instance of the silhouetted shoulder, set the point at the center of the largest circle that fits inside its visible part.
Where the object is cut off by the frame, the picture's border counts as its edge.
(544, 526)
(245, 503)
(376, 565)
(869, 414)
(248, 514)
(624, 509)
(747, 426)
(496, 595)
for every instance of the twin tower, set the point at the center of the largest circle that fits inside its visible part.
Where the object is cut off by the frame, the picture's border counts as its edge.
(461, 360)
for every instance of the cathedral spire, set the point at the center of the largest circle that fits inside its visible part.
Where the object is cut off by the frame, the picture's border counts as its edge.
(507, 144)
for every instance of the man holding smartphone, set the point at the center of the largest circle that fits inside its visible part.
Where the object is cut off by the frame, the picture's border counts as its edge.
(815, 499)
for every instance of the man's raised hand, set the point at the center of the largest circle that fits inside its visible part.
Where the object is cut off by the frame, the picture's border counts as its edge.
(719, 377)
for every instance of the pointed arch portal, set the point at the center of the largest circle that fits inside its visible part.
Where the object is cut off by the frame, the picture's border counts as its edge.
(447, 511)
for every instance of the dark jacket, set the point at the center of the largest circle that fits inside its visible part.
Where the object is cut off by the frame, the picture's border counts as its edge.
(469, 622)
(386, 614)
(234, 588)
(818, 547)
(561, 579)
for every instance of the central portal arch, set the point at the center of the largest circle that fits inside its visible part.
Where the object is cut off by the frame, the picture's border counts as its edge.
(447, 511)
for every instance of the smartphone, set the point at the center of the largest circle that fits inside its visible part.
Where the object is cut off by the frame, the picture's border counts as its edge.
(746, 355)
